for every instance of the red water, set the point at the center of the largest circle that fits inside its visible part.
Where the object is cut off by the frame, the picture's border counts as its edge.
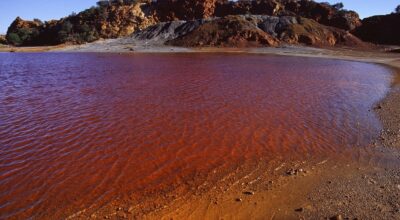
(78, 130)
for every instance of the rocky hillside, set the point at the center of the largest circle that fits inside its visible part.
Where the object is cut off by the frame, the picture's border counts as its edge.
(201, 23)
(331, 15)
(384, 29)
(248, 30)
(92, 24)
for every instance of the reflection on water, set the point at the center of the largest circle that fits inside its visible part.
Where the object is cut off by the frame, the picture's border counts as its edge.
(81, 129)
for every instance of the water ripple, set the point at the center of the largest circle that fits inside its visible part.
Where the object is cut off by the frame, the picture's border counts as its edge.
(78, 130)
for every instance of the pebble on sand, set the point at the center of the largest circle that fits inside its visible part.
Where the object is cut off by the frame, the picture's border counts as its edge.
(248, 193)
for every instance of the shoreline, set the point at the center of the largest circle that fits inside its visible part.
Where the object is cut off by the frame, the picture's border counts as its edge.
(327, 189)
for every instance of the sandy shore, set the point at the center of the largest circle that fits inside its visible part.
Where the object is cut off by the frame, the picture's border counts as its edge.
(4, 48)
(333, 187)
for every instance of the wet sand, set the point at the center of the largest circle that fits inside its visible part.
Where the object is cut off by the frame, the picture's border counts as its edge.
(316, 188)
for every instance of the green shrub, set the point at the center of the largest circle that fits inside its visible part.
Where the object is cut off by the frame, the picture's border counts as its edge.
(3, 39)
(14, 39)
(23, 36)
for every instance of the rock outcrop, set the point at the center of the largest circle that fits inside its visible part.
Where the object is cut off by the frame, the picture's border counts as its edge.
(320, 12)
(169, 10)
(117, 21)
(384, 29)
(257, 30)
(323, 13)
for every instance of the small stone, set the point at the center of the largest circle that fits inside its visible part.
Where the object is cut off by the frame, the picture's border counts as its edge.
(398, 186)
(122, 215)
(248, 193)
(291, 172)
(238, 200)
(294, 171)
(337, 217)
(119, 209)
(299, 209)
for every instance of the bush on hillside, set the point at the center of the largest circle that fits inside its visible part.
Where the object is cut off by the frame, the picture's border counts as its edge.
(3, 39)
(23, 36)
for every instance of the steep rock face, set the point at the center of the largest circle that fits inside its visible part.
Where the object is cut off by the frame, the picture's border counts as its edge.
(117, 21)
(169, 10)
(384, 29)
(262, 30)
